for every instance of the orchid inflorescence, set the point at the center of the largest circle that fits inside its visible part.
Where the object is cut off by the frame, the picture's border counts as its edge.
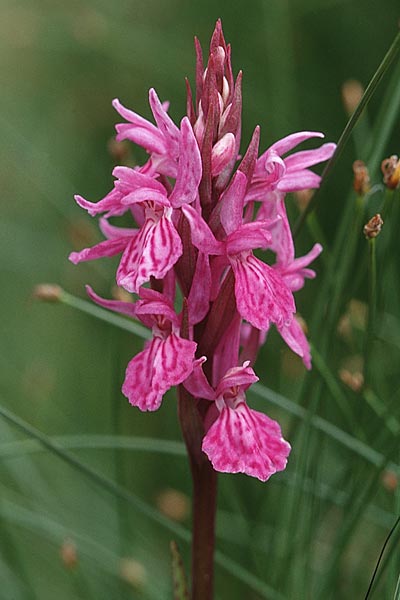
(200, 211)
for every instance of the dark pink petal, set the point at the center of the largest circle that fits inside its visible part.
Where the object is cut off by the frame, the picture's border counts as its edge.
(298, 180)
(308, 158)
(152, 372)
(282, 241)
(197, 384)
(246, 441)
(125, 308)
(154, 251)
(106, 248)
(295, 338)
(202, 236)
(261, 294)
(291, 141)
(189, 168)
(270, 168)
(155, 303)
(200, 291)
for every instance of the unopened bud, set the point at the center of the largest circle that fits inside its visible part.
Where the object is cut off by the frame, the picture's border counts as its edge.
(352, 92)
(133, 572)
(173, 504)
(390, 480)
(354, 381)
(303, 198)
(373, 227)
(48, 292)
(361, 181)
(222, 153)
(391, 172)
(120, 151)
(68, 553)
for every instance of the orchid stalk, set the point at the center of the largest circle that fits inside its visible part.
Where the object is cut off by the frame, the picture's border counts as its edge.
(199, 210)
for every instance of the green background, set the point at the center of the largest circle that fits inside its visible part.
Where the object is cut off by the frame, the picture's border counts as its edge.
(314, 531)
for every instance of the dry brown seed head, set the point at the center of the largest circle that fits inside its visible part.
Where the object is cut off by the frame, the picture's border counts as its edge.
(373, 227)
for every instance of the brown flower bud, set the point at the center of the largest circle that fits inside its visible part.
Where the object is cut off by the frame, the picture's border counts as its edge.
(69, 555)
(48, 292)
(361, 181)
(173, 504)
(133, 572)
(390, 480)
(120, 151)
(354, 381)
(391, 172)
(303, 198)
(352, 92)
(373, 227)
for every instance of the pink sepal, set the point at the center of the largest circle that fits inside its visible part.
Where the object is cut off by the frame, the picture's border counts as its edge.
(111, 232)
(106, 248)
(164, 122)
(246, 441)
(200, 291)
(197, 384)
(291, 141)
(131, 179)
(125, 308)
(163, 364)
(296, 340)
(231, 203)
(110, 204)
(202, 236)
(154, 250)
(298, 180)
(295, 271)
(252, 235)
(189, 168)
(262, 296)
(307, 158)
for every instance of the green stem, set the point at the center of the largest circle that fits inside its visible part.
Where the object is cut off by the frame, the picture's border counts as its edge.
(371, 309)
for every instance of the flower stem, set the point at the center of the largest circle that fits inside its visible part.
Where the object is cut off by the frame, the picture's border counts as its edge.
(204, 480)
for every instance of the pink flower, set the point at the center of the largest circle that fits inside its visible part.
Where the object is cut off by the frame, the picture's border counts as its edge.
(167, 359)
(240, 440)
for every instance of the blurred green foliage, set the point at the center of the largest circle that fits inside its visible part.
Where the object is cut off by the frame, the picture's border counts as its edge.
(314, 531)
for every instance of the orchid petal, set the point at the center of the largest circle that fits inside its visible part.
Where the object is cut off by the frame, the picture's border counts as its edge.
(189, 168)
(295, 338)
(232, 202)
(125, 308)
(298, 180)
(197, 384)
(164, 122)
(152, 372)
(261, 294)
(200, 291)
(106, 248)
(154, 251)
(291, 141)
(308, 158)
(246, 441)
(202, 236)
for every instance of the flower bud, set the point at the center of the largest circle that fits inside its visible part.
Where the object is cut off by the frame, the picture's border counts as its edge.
(373, 227)
(361, 181)
(352, 92)
(222, 153)
(48, 292)
(391, 172)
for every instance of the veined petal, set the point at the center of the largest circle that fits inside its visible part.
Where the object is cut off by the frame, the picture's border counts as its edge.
(146, 195)
(189, 168)
(242, 376)
(261, 294)
(246, 441)
(152, 372)
(106, 248)
(202, 236)
(154, 251)
(295, 338)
